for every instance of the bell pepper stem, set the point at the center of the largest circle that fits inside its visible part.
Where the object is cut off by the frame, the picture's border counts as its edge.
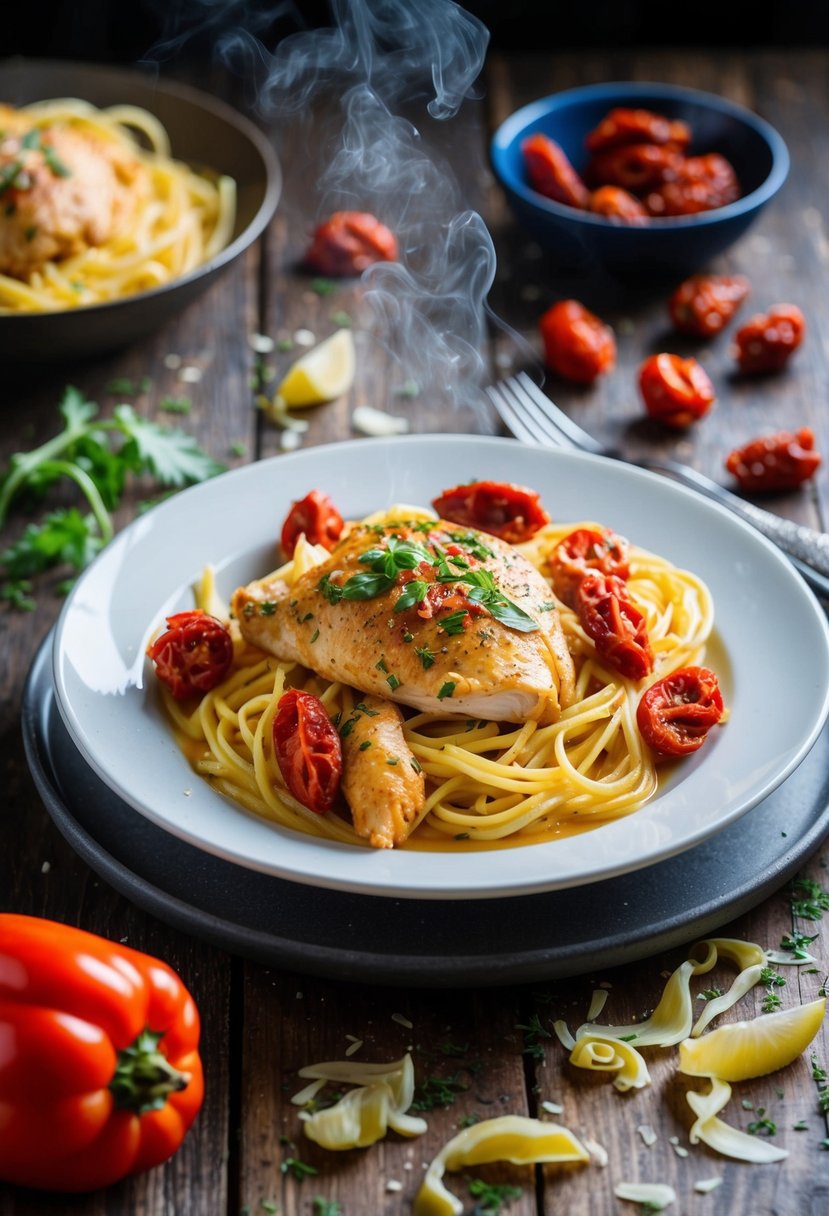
(144, 1078)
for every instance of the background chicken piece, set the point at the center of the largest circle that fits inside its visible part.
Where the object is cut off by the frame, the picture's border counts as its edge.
(446, 653)
(382, 782)
(62, 191)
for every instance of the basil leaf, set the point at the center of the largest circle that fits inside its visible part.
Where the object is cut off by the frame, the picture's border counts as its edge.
(366, 586)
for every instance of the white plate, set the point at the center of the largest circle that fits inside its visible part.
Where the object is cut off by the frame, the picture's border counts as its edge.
(771, 652)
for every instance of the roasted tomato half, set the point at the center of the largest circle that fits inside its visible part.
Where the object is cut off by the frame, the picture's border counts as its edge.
(578, 345)
(508, 511)
(675, 391)
(676, 713)
(193, 655)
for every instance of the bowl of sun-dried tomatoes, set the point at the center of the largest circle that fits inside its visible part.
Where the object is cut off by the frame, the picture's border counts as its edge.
(638, 179)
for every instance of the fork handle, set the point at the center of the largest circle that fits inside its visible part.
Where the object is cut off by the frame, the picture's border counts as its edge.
(808, 548)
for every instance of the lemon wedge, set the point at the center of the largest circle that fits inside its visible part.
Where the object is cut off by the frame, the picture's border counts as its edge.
(741, 1050)
(321, 374)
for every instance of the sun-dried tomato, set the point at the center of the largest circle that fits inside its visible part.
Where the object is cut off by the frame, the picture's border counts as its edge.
(348, 242)
(700, 183)
(625, 125)
(582, 550)
(676, 713)
(768, 340)
(705, 303)
(315, 517)
(511, 512)
(307, 750)
(551, 173)
(676, 391)
(617, 204)
(578, 345)
(775, 462)
(614, 623)
(634, 167)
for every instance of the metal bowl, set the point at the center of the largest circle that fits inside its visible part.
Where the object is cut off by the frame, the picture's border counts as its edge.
(202, 131)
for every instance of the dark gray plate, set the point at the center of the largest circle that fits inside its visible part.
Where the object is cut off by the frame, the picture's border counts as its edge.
(427, 943)
(203, 131)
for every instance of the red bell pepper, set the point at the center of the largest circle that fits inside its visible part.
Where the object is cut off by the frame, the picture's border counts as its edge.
(100, 1074)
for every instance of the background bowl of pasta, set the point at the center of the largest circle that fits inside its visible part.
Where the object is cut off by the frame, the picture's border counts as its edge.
(175, 186)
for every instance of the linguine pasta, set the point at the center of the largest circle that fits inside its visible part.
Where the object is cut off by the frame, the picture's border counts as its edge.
(488, 784)
(174, 218)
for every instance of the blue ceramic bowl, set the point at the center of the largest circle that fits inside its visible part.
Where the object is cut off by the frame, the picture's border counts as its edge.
(669, 247)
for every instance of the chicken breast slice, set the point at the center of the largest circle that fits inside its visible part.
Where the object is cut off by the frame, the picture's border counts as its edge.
(63, 191)
(382, 783)
(466, 626)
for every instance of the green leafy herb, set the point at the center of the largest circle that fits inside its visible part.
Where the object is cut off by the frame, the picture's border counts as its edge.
(446, 690)
(98, 455)
(296, 1168)
(326, 1207)
(490, 1197)
(425, 655)
(438, 1091)
(453, 624)
(762, 1125)
(709, 994)
(534, 1032)
(796, 943)
(814, 901)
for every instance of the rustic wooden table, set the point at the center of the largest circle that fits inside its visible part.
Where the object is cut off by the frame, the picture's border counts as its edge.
(477, 1052)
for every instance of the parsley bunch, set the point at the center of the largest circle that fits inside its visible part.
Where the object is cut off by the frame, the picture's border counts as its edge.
(98, 455)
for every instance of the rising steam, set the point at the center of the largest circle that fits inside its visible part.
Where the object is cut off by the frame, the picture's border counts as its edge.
(388, 71)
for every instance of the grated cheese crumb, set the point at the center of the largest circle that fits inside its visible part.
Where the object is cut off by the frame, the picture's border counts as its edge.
(597, 1151)
(598, 1000)
(289, 441)
(173, 362)
(377, 422)
(705, 1185)
(261, 343)
(190, 375)
(394, 1185)
(657, 1195)
(304, 337)
(403, 1021)
(647, 1133)
(46, 867)
(552, 1108)
(353, 1046)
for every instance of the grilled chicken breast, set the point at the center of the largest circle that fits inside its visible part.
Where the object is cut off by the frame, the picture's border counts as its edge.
(63, 191)
(437, 617)
(382, 784)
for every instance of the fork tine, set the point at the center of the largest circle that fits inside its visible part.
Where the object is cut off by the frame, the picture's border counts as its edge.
(569, 432)
(516, 420)
(522, 412)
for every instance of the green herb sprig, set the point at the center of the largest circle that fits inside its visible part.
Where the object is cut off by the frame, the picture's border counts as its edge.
(98, 455)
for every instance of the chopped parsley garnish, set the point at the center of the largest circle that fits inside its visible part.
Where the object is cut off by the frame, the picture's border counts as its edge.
(392, 681)
(446, 690)
(426, 656)
(453, 623)
(815, 901)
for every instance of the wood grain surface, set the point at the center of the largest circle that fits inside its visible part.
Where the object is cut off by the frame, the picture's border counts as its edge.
(477, 1052)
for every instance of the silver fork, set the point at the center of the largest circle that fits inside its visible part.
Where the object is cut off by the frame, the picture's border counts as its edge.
(534, 419)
